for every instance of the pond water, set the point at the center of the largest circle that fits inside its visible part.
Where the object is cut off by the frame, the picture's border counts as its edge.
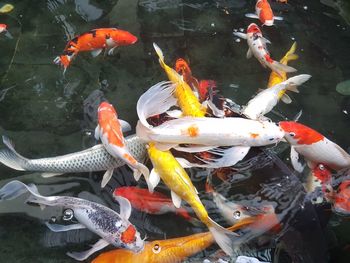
(47, 113)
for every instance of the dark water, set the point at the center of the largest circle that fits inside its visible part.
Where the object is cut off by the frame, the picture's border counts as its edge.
(48, 114)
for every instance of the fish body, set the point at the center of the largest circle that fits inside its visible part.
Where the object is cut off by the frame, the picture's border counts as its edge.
(212, 131)
(6, 8)
(112, 227)
(257, 47)
(152, 203)
(267, 99)
(314, 147)
(175, 177)
(264, 13)
(186, 99)
(93, 159)
(342, 198)
(109, 130)
(95, 41)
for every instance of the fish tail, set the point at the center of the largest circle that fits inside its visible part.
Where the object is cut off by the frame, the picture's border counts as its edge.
(293, 82)
(280, 68)
(11, 158)
(290, 55)
(222, 237)
(141, 169)
(159, 54)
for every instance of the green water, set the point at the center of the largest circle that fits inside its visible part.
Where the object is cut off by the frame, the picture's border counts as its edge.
(48, 114)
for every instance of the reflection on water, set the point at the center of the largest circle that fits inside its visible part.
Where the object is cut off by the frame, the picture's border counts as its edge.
(47, 113)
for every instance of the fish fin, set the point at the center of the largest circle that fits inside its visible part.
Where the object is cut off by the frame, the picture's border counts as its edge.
(97, 132)
(125, 207)
(10, 157)
(265, 40)
(158, 51)
(280, 68)
(241, 35)
(96, 52)
(106, 177)
(126, 127)
(228, 157)
(194, 148)
(279, 18)
(154, 179)
(216, 111)
(80, 256)
(297, 116)
(295, 160)
(48, 175)
(251, 15)
(184, 163)
(286, 99)
(222, 237)
(295, 81)
(143, 132)
(111, 51)
(249, 53)
(176, 199)
(8, 35)
(165, 146)
(156, 100)
(142, 169)
(63, 228)
(174, 113)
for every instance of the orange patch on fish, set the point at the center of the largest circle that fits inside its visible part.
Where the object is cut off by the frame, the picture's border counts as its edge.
(129, 158)
(254, 135)
(128, 236)
(193, 131)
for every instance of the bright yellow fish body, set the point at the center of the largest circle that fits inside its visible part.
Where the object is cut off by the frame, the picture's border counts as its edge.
(186, 99)
(276, 78)
(175, 177)
(6, 8)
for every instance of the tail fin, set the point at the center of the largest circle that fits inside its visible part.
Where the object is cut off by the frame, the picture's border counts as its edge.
(16, 188)
(279, 68)
(159, 54)
(156, 100)
(11, 158)
(142, 169)
(222, 237)
(290, 55)
(295, 81)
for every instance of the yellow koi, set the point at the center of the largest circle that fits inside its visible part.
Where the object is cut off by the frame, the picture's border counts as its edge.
(276, 78)
(175, 177)
(186, 99)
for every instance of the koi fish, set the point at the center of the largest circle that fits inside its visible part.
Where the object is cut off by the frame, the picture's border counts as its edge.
(3, 29)
(276, 79)
(152, 203)
(92, 159)
(264, 13)
(185, 97)
(165, 166)
(96, 41)
(342, 198)
(257, 47)
(6, 8)
(204, 86)
(113, 228)
(173, 250)
(109, 131)
(182, 67)
(320, 176)
(267, 99)
(314, 147)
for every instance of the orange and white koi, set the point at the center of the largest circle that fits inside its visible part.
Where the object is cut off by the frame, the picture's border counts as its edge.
(276, 79)
(96, 41)
(257, 47)
(109, 130)
(314, 147)
(264, 13)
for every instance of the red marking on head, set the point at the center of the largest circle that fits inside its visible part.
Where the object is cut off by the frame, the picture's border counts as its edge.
(182, 67)
(268, 58)
(204, 86)
(3, 27)
(322, 173)
(253, 28)
(300, 132)
(128, 236)
(122, 38)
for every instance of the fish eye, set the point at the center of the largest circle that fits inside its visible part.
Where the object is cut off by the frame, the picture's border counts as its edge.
(271, 139)
(68, 214)
(321, 167)
(156, 249)
(236, 214)
(292, 134)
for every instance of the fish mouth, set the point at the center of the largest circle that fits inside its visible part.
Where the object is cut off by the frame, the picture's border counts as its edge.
(268, 23)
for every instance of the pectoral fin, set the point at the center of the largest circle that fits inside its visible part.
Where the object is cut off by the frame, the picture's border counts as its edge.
(97, 132)
(62, 228)
(251, 15)
(154, 179)
(80, 256)
(126, 127)
(125, 207)
(249, 53)
(265, 40)
(294, 158)
(164, 146)
(176, 199)
(47, 175)
(96, 52)
(106, 177)
(286, 99)
(278, 18)
(241, 35)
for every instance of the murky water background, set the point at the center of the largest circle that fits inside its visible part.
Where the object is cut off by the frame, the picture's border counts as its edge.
(48, 114)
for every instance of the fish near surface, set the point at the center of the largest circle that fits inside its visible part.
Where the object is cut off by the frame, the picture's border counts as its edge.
(257, 47)
(95, 41)
(92, 159)
(113, 228)
(314, 147)
(109, 131)
(165, 166)
(264, 13)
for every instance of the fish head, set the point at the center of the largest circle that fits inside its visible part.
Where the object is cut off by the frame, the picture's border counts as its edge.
(182, 67)
(342, 198)
(3, 28)
(106, 111)
(299, 134)
(253, 29)
(123, 38)
(322, 173)
(204, 86)
(130, 239)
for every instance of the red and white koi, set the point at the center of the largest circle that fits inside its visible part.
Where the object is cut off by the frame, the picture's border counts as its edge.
(113, 228)
(257, 47)
(109, 130)
(264, 13)
(96, 41)
(314, 147)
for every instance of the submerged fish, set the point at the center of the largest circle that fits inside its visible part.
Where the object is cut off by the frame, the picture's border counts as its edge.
(267, 99)
(173, 250)
(165, 166)
(109, 131)
(96, 41)
(114, 229)
(6, 8)
(257, 47)
(264, 13)
(93, 159)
